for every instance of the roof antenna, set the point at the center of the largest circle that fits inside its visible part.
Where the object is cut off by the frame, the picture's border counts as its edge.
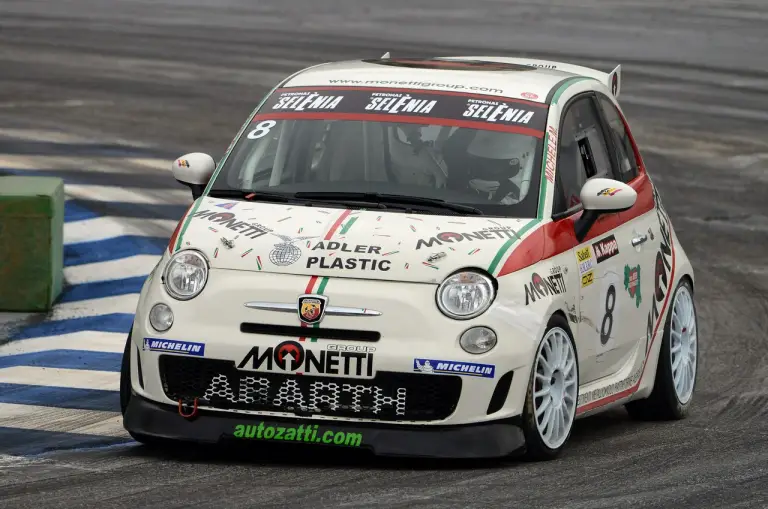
(385, 56)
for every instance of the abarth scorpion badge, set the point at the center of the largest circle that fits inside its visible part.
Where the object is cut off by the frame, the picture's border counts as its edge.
(312, 308)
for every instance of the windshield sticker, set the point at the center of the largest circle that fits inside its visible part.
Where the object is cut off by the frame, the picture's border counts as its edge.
(407, 106)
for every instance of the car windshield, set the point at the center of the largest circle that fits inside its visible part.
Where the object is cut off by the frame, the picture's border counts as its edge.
(351, 144)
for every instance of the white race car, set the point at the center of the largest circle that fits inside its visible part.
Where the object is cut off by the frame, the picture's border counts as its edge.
(443, 257)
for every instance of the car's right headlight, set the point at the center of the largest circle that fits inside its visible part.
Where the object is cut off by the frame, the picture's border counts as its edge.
(465, 295)
(186, 274)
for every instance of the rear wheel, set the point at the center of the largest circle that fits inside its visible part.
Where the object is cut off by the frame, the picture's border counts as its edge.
(678, 362)
(550, 404)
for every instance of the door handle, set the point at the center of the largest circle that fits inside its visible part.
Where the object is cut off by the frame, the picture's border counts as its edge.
(639, 240)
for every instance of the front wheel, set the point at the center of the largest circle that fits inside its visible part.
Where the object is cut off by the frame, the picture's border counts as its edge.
(550, 404)
(677, 365)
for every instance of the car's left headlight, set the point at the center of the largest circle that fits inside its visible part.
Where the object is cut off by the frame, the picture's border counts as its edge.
(186, 274)
(465, 295)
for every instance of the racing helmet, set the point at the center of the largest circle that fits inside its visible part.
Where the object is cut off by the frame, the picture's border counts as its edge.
(500, 147)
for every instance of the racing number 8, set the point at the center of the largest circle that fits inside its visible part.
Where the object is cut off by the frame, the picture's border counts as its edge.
(610, 304)
(262, 129)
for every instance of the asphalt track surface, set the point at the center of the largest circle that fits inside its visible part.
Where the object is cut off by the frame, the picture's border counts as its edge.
(180, 75)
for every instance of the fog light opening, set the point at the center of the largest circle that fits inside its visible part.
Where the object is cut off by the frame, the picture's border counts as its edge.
(161, 317)
(478, 340)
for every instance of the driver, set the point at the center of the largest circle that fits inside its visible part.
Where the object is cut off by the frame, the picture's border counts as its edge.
(497, 158)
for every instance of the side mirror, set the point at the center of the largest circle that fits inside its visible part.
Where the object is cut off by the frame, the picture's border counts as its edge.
(602, 196)
(194, 170)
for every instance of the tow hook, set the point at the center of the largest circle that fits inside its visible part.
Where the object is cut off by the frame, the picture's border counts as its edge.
(186, 410)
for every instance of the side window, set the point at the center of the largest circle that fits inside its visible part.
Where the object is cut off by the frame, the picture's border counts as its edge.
(582, 153)
(625, 153)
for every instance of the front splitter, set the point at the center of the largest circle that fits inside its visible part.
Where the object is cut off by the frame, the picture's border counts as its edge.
(485, 440)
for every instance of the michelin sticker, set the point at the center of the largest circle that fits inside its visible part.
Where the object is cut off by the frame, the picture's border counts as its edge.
(453, 368)
(171, 346)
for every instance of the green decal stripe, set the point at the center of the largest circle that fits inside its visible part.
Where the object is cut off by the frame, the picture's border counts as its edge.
(567, 84)
(500, 254)
(347, 226)
(323, 283)
(320, 290)
(221, 165)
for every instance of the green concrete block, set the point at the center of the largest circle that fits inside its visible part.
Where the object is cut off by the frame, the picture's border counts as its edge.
(31, 242)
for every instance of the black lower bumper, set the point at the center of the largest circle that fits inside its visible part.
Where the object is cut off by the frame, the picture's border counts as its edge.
(486, 440)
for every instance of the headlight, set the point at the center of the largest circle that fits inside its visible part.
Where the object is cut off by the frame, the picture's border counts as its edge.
(185, 275)
(465, 295)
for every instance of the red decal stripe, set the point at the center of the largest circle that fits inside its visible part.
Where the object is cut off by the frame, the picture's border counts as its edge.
(313, 279)
(176, 231)
(416, 90)
(337, 224)
(558, 237)
(405, 119)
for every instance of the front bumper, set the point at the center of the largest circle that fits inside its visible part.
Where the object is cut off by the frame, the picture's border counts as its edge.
(493, 439)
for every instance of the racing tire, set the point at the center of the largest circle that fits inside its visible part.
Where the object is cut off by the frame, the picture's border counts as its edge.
(125, 396)
(670, 400)
(554, 378)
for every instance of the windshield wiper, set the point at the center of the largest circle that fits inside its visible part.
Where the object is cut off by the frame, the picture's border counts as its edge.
(388, 199)
(249, 195)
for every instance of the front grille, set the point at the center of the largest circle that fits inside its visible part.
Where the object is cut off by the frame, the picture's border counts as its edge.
(321, 333)
(388, 397)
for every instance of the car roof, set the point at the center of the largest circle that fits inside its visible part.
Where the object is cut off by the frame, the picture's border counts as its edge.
(524, 78)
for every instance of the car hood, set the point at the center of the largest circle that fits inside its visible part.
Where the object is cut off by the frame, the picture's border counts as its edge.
(337, 242)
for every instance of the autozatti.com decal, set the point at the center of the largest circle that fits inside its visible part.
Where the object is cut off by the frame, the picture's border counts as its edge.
(311, 433)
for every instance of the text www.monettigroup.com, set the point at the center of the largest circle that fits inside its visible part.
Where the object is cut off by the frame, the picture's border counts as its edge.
(301, 433)
(415, 84)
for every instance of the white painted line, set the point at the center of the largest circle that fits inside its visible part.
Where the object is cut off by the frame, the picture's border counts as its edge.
(139, 265)
(84, 164)
(129, 194)
(100, 228)
(61, 377)
(95, 307)
(62, 420)
(91, 341)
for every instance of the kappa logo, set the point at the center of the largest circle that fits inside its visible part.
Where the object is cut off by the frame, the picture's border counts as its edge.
(606, 248)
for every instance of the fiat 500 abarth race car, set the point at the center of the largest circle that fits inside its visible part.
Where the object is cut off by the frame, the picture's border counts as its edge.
(440, 257)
